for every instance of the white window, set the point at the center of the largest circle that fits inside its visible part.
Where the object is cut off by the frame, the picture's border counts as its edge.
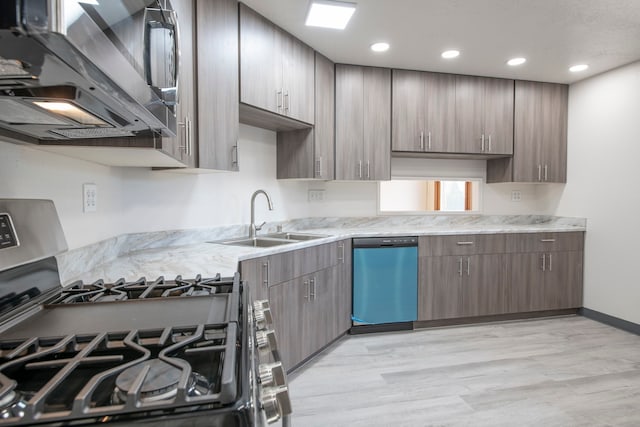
(434, 195)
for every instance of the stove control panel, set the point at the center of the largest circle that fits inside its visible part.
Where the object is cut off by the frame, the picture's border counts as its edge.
(8, 238)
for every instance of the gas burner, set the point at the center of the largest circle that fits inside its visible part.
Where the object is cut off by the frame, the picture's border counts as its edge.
(160, 383)
(13, 404)
(121, 290)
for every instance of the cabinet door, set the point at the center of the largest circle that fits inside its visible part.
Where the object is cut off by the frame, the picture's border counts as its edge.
(218, 108)
(287, 302)
(440, 126)
(554, 131)
(344, 286)
(563, 280)
(377, 123)
(349, 122)
(528, 124)
(324, 141)
(260, 61)
(408, 111)
(498, 116)
(320, 311)
(298, 80)
(440, 287)
(525, 286)
(469, 114)
(254, 272)
(483, 285)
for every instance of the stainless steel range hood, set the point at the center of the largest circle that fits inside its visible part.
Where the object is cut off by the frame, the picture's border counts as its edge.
(87, 69)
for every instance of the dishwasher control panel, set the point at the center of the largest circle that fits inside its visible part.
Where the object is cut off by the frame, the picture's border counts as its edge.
(377, 242)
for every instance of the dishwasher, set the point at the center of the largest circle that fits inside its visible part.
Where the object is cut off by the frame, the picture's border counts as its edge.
(385, 284)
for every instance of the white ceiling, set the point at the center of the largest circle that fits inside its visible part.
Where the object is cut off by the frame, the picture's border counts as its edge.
(551, 34)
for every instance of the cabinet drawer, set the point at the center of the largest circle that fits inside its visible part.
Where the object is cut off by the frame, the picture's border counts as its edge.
(545, 242)
(315, 258)
(468, 244)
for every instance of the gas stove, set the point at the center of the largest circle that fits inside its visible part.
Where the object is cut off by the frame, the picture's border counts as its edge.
(162, 352)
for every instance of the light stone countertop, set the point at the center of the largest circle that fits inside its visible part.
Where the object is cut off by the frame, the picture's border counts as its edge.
(190, 252)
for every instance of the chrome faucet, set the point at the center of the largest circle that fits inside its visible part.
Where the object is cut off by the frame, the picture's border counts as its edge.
(252, 227)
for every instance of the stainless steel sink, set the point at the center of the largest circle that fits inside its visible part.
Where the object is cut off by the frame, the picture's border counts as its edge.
(287, 235)
(272, 239)
(257, 242)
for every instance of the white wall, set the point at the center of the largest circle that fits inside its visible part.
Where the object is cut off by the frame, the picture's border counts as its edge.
(139, 199)
(602, 185)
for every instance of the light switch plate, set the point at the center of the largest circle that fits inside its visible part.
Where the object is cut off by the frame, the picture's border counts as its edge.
(89, 197)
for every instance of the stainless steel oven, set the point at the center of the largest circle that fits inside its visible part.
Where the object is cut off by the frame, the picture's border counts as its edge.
(161, 352)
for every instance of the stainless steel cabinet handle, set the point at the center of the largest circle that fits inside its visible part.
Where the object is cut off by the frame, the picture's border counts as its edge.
(185, 143)
(265, 273)
(429, 140)
(360, 169)
(286, 102)
(234, 155)
(312, 285)
(368, 170)
(468, 266)
(341, 253)
(421, 141)
(550, 262)
(319, 167)
(539, 172)
(464, 243)
(307, 293)
(544, 262)
(460, 267)
(482, 146)
(545, 172)
(547, 240)
(489, 143)
(190, 137)
(279, 100)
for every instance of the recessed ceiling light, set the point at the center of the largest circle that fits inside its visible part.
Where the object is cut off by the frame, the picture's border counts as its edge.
(450, 54)
(579, 67)
(516, 61)
(330, 14)
(380, 47)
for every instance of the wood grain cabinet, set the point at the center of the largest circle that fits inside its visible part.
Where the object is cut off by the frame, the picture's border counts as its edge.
(540, 136)
(423, 112)
(484, 115)
(363, 123)
(545, 271)
(461, 276)
(276, 69)
(217, 66)
(309, 291)
(309, 153)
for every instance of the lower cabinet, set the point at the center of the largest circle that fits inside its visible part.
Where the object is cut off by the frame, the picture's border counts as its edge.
(309, 291)
(545, 281)
(481, 275)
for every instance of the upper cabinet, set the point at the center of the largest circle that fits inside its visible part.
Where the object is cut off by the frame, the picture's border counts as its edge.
(423, 112)
(540, 141)
(484, 115)
(309, 153)
(363, 123)
(276, 74)
(218, 109)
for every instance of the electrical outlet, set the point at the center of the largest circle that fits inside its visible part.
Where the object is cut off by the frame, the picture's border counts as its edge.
(316, 195)
(89, 197)
(516, 196)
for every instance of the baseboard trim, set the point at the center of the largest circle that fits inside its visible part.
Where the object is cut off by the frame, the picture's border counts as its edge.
(616, 322)
(382, 327)
(493, 318)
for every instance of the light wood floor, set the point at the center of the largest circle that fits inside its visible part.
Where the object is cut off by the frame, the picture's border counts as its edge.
(568, 371)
